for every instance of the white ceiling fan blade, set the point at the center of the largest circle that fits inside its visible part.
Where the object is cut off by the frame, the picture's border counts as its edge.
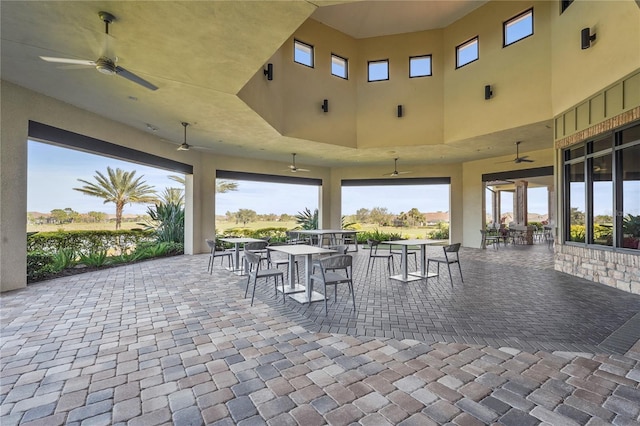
(301, 170)
(68, 61)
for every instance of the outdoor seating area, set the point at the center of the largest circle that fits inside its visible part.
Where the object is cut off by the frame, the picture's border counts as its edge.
(165, 341)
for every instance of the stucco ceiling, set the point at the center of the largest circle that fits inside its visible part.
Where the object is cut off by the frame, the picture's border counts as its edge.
(200, 54)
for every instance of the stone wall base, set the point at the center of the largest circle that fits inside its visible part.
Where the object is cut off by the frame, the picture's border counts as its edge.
(615, 269)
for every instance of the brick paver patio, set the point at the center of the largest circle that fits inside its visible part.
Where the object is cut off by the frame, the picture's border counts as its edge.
(164, 342)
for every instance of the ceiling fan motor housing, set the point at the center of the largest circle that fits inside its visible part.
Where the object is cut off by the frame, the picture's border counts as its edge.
(105, 66)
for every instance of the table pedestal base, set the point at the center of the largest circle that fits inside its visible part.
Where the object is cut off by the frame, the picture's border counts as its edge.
(302, 297)
(295, 289)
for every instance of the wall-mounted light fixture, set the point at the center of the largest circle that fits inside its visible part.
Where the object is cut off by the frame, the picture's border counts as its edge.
(488, 93)
(325, 105)
(586, 38)
(269, 72)
(400, 111)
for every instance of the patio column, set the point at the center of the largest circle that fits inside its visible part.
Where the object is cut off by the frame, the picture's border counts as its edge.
(551, 206)
(495, 208)
(520, 203)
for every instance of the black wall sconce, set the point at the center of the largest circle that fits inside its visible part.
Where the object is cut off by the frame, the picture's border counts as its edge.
(325, 105)
(400, 111)
(488, 93)
(586, 38)
(269, 72)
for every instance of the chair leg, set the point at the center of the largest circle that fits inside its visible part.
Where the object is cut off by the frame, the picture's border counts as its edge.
(460, 268)
(450, 276)
(369, 264)
(284, 295)
(326, 309)
(253, 294)
(246, 290)
(353, 297)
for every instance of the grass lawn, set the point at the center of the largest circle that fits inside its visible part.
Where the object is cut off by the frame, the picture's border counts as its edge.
(104, 226)
(422, 232)
(222, 225)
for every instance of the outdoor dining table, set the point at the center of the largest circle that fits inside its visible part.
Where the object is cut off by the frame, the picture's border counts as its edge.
(236, 241)
(332, 233)
(298, 292)
(407, 276)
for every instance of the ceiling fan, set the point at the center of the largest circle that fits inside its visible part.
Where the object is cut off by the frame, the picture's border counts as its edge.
(184, 146)
(106, 63)
(293, 167)
(395, 170)
(518, 159)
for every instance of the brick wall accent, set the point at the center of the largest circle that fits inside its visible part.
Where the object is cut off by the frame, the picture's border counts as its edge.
(605, 126)
(615, 269)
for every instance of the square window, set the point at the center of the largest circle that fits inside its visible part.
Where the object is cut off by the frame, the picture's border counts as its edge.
(518, 27)
(379, 70)
(564, 4)
(467, 52)
(419, 66)
(339, 66)
(303, 53)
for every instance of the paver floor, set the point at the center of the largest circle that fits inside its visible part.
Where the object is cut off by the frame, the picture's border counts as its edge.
(164, 342)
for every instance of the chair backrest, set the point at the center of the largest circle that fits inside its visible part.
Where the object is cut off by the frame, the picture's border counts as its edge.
(252, 259)
(337, 261)
(373, 245)
(211, 243)
(453, 249)
(341, 249)
(257, 245)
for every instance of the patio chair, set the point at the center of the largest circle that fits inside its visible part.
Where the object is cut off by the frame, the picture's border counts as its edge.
(216, 253)
(373, 255)
(494, 240)
(276, 261)
(340, 249)
(329, 277)
(254, 272)
(294, 238)
(398, 252)
(450, 256)
(259, 247)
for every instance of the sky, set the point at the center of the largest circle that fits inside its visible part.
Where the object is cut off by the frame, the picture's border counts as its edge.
(54, 171)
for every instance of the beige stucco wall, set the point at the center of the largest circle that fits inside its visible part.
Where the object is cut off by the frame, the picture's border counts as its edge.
(578, 74)
(519, 74)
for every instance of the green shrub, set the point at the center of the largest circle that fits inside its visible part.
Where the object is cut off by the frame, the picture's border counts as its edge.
(87, 242)
(442, 233)
(277, 234)
(167, 222)
(64, 258)
(39, 265)
(95, 259)
(377, 235)
(577, 233)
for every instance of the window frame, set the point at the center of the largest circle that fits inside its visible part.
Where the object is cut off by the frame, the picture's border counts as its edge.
(464, 44)
(564, 5)
(589, 156)
(346, 66)
(386, 61)
(513, 20)
(421, 57)
(297, 42)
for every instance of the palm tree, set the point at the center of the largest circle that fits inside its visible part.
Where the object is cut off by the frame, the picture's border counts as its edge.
(120, 188)
(221, 185)
(173, 196)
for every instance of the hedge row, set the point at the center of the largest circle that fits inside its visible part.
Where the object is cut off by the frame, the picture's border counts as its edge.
(87, 242)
